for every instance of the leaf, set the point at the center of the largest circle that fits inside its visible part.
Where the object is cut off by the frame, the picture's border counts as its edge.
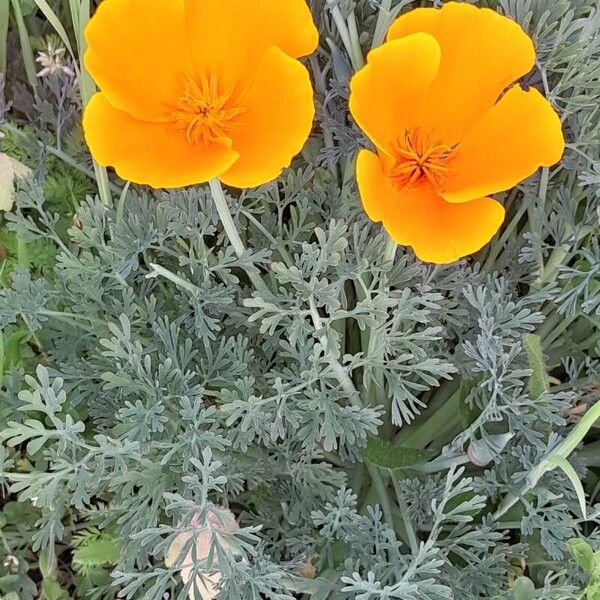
(98, 552)
(592, 592)
(48, 564)
(12, 355)
(53, 590)
(319, 587)
(387, 456)
(523, 589)
(20, 514)
(569, 471)
(579, 431)
(538, 382)
(583, 553)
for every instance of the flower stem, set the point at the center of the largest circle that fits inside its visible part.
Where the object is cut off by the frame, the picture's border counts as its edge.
(359, 61)
(410, 531)
(350, 43)
(563, 450)
(232, 232)
(382, 19)
(381, 489)
(340, 372)
(239, 248)
(389, 254)
(377, 389)
(436, 425)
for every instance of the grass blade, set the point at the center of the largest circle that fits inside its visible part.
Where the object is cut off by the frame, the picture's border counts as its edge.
(4, 10)
(558, 461)
(26, 49)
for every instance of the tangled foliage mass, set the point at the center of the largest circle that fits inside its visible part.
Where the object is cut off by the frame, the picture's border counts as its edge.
(145, 381)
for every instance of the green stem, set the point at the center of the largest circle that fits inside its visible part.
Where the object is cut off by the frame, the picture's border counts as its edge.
(535, 224)
(563, 450)
(385, 17)
(69, 315)
(277, 243)
(579, 431)
(35, 338)
(80, 15)
(410, 531)
(553, 335)
(26, 51)
(172, 277)
(355, 40)
(232, 233)
(381, 489)
(378, 387)
(340, 372)
(4, 13)
(549, 270)
(499, 244)
(121, 203)
(548, 326)
(389, 254)
(1, 359)
(439, 423)
(356, 478)
(382, 19)
(441, 464)
(22, 254)
(354, 54)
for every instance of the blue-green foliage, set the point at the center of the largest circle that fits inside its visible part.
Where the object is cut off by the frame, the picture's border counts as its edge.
(144, 378)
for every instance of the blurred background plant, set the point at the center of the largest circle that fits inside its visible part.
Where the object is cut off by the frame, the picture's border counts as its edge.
(145, 381)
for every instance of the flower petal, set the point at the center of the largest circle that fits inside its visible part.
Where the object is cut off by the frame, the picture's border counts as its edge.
(137, 54)
(377, 192)
(386, 95)
(438, 231)
(278, 114)
(518, 135)
(483, 52)
(155, 154)
(231, 37)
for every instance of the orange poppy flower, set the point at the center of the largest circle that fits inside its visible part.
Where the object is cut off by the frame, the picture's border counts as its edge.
(437, 102)
(196, 89)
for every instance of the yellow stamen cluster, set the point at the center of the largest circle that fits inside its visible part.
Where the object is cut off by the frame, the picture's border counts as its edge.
(417, 159)
(205, 112)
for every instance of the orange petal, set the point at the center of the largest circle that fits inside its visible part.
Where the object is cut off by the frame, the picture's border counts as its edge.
(518, 135)
(377, 192)
(137, 53)
(231, 37)
(386, 95)
(483, 52)
(278, 111)
(154, 154)
(438, 231)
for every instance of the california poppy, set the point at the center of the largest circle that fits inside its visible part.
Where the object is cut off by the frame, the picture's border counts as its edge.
(191, 90)
(437, 101)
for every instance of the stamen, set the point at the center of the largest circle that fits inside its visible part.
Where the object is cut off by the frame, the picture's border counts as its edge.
(205, 113)
(418, 159)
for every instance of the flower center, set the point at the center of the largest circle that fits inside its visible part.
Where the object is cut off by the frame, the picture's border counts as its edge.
(418, 159)
(204, 111)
